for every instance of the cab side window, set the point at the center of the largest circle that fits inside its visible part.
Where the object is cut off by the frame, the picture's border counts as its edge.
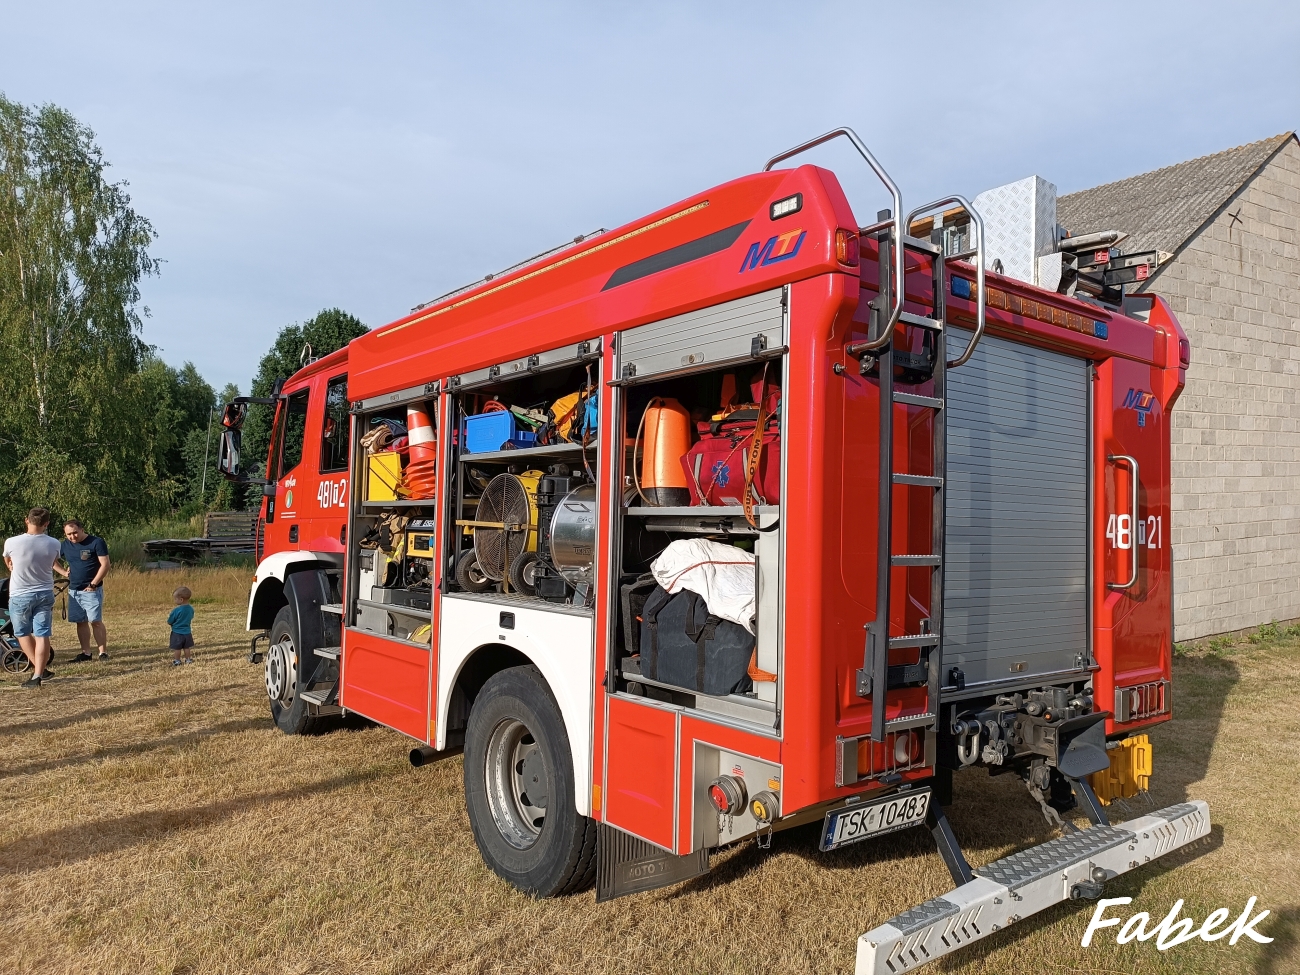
(335, 430)
(295, 431)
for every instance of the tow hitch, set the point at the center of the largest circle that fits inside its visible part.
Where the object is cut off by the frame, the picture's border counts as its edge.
(1070, 867)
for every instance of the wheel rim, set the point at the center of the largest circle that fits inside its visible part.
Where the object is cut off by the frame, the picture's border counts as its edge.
(281, 671)
(518, 783)
(530, 573)
(476, 574)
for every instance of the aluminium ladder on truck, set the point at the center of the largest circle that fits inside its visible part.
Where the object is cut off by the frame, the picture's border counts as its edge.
(1072, 866)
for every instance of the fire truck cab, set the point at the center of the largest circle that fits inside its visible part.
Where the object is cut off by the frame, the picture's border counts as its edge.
(939, 496)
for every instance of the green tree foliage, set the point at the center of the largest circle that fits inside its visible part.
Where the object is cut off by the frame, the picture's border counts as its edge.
(81, 428)
(329, 331)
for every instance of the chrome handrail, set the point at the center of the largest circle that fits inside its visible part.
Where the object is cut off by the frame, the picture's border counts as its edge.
(1133, 526)
(981, 292)
(887, 332)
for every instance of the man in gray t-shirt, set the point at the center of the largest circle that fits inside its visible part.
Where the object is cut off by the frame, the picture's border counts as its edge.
(30, 559)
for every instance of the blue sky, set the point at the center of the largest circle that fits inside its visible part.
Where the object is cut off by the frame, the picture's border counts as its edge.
(297, 156)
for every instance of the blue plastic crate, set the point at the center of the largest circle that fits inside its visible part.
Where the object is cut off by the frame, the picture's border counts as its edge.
(486, 432)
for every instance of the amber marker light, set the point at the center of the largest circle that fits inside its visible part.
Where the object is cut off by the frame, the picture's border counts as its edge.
(846, 247)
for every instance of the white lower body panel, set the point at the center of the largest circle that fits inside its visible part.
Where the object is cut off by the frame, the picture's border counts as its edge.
(558, 642)
(1011, 889)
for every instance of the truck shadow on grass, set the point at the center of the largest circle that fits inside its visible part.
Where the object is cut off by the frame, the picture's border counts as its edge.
(138, 748)
(81, 841)
(64, 721)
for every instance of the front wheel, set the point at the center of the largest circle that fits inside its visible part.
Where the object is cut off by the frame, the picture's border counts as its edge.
(286, 674)
(519, 788)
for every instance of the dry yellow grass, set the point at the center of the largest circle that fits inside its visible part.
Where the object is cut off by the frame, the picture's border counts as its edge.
(152, 820)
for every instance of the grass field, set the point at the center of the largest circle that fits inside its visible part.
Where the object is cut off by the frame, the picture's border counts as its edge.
(153, 821)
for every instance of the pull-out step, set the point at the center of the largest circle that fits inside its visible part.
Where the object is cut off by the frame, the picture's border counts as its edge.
(322, 698)
(1005, 891)
(915, 559)
(914, 640)
(918, 480)
(921, 321)
(916, 399)
(329, 653)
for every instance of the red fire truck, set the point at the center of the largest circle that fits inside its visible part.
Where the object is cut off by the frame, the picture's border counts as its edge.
(740, 517)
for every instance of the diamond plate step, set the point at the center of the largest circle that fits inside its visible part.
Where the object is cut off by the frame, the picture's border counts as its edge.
(1011, 889)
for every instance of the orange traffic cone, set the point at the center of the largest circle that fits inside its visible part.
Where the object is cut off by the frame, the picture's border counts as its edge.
(421, 472)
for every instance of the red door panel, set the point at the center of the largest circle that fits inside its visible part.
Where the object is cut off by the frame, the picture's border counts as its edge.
(641, 749)
(386, 681)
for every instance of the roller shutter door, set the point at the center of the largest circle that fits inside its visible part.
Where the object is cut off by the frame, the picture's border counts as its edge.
(1016, 584)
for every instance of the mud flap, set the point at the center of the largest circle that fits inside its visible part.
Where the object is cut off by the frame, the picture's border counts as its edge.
(1011, 889)
(626, 864)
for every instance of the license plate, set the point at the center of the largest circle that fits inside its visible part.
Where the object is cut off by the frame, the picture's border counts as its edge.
(858, 822)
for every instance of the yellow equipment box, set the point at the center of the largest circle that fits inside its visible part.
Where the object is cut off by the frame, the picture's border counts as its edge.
(1129, 772)
(385, 475)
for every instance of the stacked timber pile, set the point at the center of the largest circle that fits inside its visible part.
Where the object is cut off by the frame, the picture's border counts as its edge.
(224, 533)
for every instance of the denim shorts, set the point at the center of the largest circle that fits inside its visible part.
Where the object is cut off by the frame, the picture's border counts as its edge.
(85, 605)
(32, 612)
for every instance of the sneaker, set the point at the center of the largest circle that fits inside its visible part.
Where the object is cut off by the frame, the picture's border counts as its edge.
(32, 682)
(189, 660)
(176, 663)
(48, 673)
(102, 656)
(82, 658)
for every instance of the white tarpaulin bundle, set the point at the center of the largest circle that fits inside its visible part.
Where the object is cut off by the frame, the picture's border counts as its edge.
(722, 574)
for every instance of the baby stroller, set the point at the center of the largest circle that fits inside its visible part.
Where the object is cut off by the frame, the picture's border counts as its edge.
(14, 660)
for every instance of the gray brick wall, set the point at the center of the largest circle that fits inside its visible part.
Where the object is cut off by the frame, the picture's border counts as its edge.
(1236, 430)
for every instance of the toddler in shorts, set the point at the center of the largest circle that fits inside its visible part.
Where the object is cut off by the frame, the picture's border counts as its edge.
(179, 619)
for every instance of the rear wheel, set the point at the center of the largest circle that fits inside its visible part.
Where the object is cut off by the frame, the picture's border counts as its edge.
(519, 788)
(284, 671)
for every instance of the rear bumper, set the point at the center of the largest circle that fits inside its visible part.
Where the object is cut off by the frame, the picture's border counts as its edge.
(1013, 888)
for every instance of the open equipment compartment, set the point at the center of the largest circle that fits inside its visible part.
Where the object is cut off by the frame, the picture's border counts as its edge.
(396, 451)
(705, 372)
(522, 479)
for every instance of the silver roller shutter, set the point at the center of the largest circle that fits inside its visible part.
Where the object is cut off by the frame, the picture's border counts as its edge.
(1015, 587)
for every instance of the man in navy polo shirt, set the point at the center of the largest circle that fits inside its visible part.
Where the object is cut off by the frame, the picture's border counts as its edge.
(86, 557)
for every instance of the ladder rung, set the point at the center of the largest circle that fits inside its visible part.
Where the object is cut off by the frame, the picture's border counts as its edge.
(913, 399)
(921, 245)
(336, 608)
(918, 480)
(905, 560)
(329, 653)
(921, 321)
(915, 640)
(320, 698)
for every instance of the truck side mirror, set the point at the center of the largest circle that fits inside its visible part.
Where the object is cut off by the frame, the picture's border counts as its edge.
(232, 417)
(228, 451)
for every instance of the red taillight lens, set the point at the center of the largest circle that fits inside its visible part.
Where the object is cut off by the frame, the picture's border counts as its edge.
(1184, 353)
(846, 247)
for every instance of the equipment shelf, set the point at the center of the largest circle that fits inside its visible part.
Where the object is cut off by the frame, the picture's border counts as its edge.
(420, 503)
(555, 450)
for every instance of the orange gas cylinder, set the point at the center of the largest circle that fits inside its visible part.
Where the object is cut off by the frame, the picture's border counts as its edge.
(667, 439)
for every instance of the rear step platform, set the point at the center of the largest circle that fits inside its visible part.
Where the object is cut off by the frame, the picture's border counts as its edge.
(1070, 867)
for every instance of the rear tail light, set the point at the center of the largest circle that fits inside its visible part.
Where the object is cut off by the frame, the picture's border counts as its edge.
(1184, 353)
(846, 247)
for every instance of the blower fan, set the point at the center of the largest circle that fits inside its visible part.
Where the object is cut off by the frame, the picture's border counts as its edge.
(505, 533)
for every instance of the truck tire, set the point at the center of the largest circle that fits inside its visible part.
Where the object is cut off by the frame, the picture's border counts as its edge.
(284, 676)
(515, 742)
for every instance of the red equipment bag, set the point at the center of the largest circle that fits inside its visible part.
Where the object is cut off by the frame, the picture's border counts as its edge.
(719, 466)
